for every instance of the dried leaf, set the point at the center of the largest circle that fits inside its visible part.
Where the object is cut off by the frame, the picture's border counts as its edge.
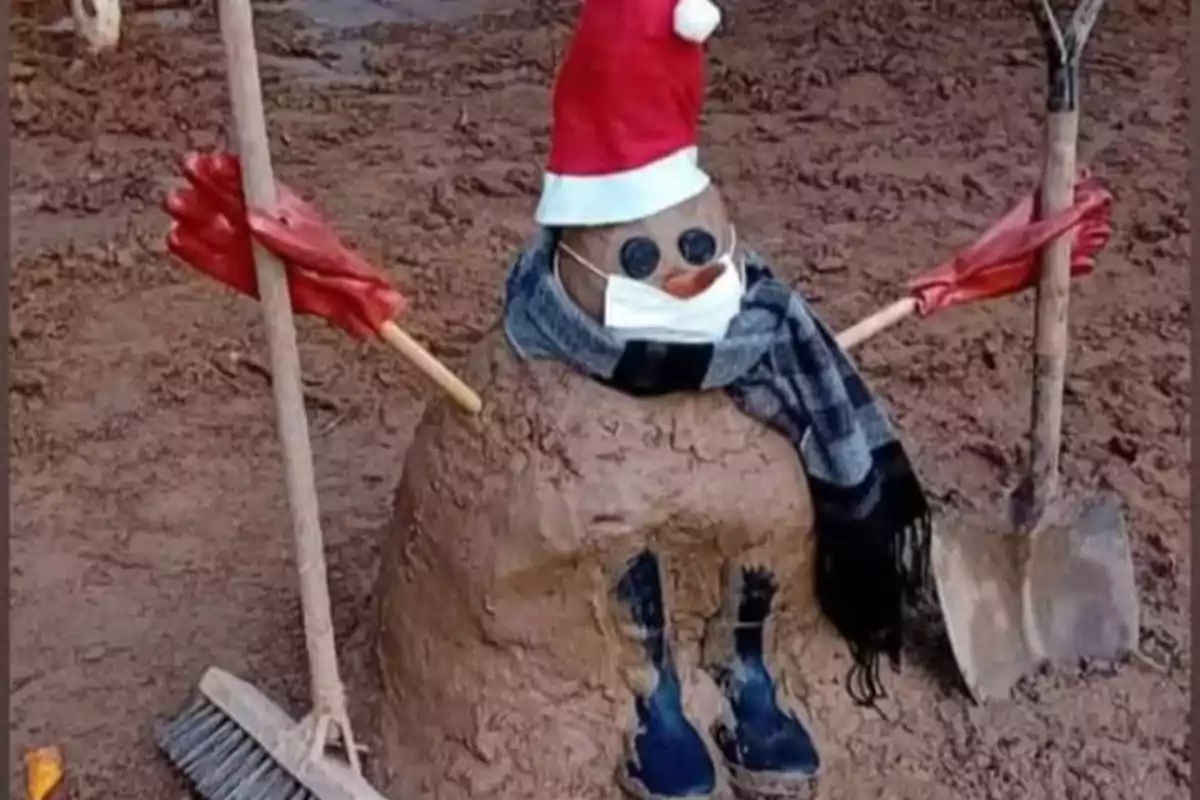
(44, 771)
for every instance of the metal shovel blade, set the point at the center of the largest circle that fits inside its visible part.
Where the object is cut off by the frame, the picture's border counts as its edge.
(1080, 593)
(977, 568)
(1012, 601)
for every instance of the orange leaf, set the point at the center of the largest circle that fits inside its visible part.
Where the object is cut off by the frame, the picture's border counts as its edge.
(44, 771)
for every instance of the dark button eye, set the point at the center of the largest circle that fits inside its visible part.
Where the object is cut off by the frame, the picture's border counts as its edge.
(639, 257)
(698, 247)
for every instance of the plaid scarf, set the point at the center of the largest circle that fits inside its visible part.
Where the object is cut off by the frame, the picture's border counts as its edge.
(780, 364)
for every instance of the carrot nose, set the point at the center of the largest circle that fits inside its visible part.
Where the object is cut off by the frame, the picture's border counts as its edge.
(687, 283)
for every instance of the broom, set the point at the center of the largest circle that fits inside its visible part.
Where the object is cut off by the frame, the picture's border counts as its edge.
(233, 742)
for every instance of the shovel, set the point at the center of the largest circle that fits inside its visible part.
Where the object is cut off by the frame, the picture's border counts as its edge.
(1054, 582)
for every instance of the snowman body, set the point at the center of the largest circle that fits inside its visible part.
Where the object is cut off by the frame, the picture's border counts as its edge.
(560, 560)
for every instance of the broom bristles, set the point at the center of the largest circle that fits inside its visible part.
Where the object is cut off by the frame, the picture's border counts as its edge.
(222, 760)
(236, 744)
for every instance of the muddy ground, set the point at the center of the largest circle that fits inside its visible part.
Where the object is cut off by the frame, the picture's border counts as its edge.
(858, 143)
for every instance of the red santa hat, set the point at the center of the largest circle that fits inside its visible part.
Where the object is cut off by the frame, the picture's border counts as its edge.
(626, 112)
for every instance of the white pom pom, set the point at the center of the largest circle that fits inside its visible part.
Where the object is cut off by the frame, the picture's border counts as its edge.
(695, 20)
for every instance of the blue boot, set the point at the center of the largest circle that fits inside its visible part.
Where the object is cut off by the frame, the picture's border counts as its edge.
(767, 749)
(666, 757)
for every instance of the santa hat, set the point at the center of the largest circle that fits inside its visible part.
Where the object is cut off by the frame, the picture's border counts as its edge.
(626, 112)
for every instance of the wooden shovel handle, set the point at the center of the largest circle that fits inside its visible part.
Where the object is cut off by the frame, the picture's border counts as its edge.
(1050, 323)
(462, 394)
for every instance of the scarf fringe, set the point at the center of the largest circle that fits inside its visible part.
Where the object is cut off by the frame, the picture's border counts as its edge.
(870, 570)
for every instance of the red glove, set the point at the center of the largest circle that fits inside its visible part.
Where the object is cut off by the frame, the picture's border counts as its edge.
(1004, 260)
(212, 230)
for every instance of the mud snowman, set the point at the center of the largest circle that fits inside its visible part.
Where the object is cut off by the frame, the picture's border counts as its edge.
(584, 588)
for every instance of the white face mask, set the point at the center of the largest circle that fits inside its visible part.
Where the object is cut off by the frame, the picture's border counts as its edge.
(637, 310)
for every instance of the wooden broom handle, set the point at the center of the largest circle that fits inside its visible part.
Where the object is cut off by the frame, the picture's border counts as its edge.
(462, 394)
(258, 184)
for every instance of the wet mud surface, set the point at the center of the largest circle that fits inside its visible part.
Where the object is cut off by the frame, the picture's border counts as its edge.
(857, 144)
